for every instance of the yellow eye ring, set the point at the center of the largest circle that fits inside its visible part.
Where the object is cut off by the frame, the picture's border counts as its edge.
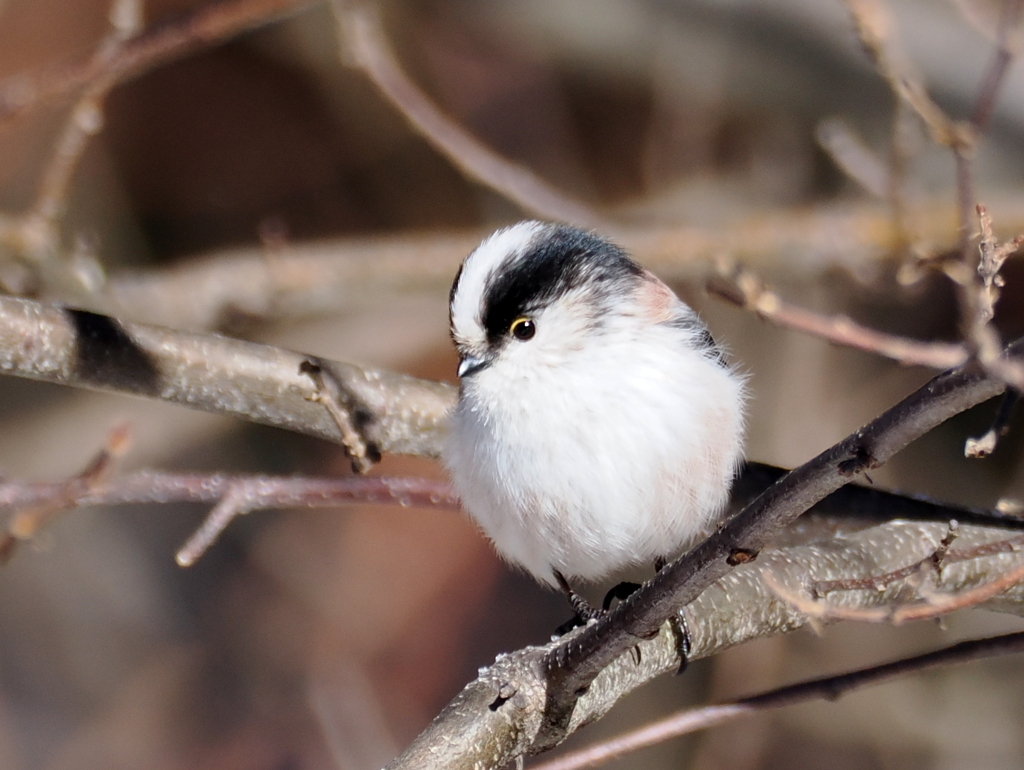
(522, 329)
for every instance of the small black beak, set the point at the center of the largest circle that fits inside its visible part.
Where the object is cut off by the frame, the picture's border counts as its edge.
(471, 365)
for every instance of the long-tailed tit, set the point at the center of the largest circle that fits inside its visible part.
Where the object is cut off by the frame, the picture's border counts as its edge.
(598, 424)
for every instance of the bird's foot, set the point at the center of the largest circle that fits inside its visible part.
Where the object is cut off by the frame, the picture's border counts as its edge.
(681, 632)
(583, 613)
(621, 592)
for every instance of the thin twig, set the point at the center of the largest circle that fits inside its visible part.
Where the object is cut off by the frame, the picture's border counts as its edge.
(205, 26)
(230, 506)
(34, 235)
(1006, 50)
(365, 44)
(330, 394)
(941, 555)
(852, 156)
(746, 290)
(825, 688)
(976, 298)
(233, 495)
(935, 604)
(86, 117)
(260, 491)
(875, 27)
(30, 518)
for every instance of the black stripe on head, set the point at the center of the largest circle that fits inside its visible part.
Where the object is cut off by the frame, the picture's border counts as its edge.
(560, 259)
(451, 295)
(107, 356)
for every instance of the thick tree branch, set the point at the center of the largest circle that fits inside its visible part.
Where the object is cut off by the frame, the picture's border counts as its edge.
(396, 413)
(498, 716)
(824, 688)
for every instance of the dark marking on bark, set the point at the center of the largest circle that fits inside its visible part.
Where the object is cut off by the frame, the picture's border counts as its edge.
(505, 692)
(859, 463)
(741, 556)
(107, 356)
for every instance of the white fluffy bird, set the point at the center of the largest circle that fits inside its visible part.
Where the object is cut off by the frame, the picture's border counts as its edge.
(598, 424)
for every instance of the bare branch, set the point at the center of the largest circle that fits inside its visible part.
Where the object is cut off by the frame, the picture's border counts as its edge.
(217, 374)
(746, 290)
(849, 152)
(484, 729)
(992, 257)
(35, 236)
(35, 515)
(366, 46)
(935, 604)
(260, 492)
(332, 395)
(310, 279)
(824, 688)
(232, 504)
(233, 495)
(205, 26)
(875, 27)
(1006, 50)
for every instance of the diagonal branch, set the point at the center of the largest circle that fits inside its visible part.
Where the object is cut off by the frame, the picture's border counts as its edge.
(497, 717)
(824, 688)
(574, 665)
(205, 26)
(367, 47)
(578, 678)
(747, 291)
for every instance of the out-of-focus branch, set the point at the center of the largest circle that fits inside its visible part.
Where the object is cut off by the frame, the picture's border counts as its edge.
(824, 688)
(365, 45)
(34, 236)
(394, 412)
(233, 494)
(309, 279)
(1007, 43)
(300, 280)
(32, 514)
(875, 27)
(744, 289)
(209, 24)
(853, 156)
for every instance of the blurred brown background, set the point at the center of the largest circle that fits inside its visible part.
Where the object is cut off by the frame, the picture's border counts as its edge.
(329, 639)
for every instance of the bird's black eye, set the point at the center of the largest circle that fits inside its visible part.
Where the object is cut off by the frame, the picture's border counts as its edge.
(523, 329)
